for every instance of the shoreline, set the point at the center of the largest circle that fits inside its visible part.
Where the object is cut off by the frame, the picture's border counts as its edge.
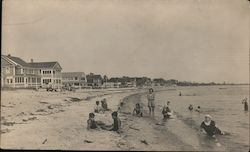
(154, 134)
(157, 137)
(46, 120)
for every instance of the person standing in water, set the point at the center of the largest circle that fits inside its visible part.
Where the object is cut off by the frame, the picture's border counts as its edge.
(244, 101)
(151, 101)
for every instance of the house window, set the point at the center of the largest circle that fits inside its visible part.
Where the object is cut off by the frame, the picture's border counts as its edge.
(82, 78)
(7, 70)
(75, 78)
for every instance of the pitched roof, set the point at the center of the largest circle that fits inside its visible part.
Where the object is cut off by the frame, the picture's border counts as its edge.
(31, 65)
(94, 76)
(17, 60)
(42, 64)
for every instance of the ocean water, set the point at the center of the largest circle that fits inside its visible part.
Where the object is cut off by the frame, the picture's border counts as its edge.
(223, 103)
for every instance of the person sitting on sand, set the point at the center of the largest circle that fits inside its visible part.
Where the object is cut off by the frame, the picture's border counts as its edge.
(104, 105)
(166, 111)
(98, 107)
(91, 122)
(190, 108)
(198, 109)
(208, 127)
(116, 126)
(151, 99)
(137, 110)
(244, 101)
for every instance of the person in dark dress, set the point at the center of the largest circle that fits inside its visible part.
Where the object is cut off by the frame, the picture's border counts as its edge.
(137, 110)
(244, 101)
(190, 108)
(198, 109)
(208, 126)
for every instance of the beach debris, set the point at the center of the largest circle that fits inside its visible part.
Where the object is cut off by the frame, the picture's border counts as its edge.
(50, 107)
(43, 102)
(40, 110)
(54, 106)
(32, 118)
(73, 99)
(160, 124)
(44, 141)
(133, 128)
(5, 131)
(21, 114)
(144, 142)
(88, 141)
(8, 123)
(7, 106)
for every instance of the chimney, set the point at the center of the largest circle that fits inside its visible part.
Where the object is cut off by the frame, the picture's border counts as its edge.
(31, 60)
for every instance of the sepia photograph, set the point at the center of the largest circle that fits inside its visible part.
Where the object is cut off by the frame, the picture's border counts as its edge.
(125, 75)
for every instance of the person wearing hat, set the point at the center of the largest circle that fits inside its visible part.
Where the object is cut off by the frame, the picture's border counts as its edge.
(208, 127)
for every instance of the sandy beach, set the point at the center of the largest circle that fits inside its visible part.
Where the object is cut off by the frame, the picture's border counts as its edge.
(49, 120)
(52, 120)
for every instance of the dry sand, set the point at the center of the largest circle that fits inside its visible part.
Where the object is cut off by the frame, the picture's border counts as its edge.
(45, 120)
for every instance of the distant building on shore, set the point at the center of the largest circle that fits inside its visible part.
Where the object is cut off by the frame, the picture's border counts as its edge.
(94, 81)
(74, 79)
(16, 73)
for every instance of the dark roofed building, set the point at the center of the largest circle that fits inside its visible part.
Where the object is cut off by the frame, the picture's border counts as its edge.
(75, 79)
(94, 80)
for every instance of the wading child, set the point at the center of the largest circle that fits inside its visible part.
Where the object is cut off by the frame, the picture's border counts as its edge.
(244, 101)
(190, 108)
(166, 112)
(208, 127)
(137, 110)
(98, 107)
(198, 109)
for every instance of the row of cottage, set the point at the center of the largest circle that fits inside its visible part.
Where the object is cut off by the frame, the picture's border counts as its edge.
(16, 73)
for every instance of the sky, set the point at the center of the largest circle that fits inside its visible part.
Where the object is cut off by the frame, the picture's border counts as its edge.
(192, 40)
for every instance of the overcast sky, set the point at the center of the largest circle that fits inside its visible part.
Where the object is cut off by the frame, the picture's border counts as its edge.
(193, 40)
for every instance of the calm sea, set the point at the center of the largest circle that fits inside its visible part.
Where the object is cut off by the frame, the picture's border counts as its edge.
(223, 103)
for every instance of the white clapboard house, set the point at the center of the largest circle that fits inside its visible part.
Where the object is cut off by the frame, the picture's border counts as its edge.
(16, 73)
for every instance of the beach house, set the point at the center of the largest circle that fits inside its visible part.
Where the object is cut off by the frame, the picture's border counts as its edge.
(74, 79)
(16, 73)
(93, 80)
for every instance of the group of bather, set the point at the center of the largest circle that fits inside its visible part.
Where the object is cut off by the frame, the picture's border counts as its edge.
(93, 124)
(207, 126)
